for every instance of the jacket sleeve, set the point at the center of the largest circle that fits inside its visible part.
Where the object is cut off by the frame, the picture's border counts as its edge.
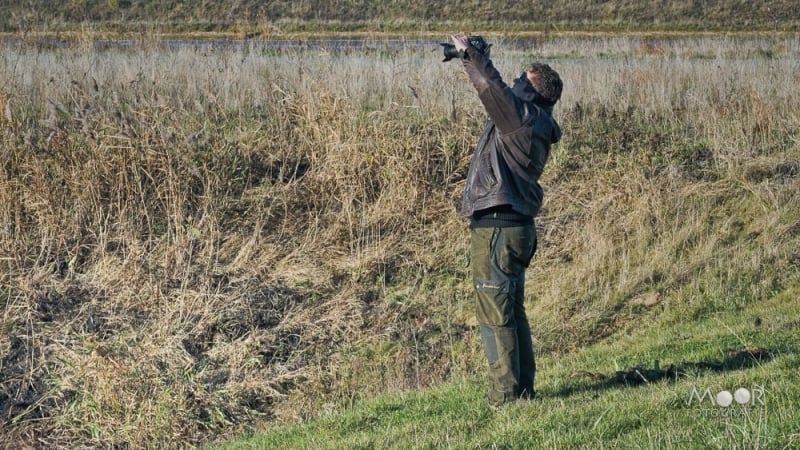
(503, 107)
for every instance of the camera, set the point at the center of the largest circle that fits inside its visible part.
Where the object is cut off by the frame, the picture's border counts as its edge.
(478, 42)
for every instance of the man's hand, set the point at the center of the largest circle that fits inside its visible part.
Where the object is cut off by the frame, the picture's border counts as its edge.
(460, 41)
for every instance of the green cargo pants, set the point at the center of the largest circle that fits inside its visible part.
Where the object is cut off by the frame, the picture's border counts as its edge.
(499, 257)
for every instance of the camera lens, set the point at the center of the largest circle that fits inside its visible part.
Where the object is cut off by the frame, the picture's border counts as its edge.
(450, 52)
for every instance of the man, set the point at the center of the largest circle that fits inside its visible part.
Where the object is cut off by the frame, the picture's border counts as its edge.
(501, 199)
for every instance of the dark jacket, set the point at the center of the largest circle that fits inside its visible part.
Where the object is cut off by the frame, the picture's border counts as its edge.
(513, 149)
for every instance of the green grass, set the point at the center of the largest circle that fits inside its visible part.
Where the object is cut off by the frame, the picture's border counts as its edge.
(574, 411)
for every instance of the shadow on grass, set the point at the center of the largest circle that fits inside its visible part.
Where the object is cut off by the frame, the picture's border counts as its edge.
(638, 375)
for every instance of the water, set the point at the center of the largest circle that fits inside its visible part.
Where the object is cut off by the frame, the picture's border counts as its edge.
(226, 44)
(569, 47)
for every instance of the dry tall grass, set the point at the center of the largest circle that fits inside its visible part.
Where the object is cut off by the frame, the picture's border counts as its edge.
(199, 240)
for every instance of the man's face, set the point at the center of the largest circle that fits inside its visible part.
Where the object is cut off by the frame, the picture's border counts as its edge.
(526, 82)
(533, 78)
(530, 77)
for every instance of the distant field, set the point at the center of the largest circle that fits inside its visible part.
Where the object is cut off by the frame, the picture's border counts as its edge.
(202, 241)
(404, 16)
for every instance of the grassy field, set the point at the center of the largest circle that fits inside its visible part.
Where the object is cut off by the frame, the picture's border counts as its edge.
(204, 242)
(623, 401)
(407, 16)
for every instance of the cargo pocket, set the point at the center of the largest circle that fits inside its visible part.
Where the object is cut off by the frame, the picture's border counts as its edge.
(495, 305)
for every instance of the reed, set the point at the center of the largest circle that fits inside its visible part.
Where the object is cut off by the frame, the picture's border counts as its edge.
(200, 240)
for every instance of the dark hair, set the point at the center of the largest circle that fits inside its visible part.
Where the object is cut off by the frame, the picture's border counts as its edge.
(548, 83)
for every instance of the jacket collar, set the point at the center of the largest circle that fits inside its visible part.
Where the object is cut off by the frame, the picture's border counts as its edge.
(525, 92)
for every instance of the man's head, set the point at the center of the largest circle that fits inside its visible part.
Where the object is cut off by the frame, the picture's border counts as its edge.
(546, 81)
